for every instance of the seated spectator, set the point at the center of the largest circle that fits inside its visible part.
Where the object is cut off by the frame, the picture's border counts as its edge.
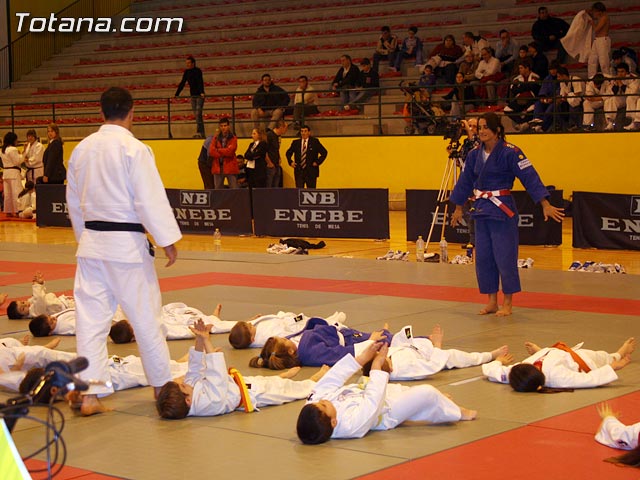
(428, 79)
(462, 97)
(626, 55)
(346, 80)
(545, 106)
(488, 73)
(386, 49)
(593, 99)
(522, 96)
(523, 53)
(468, 67)
(547, 32)
(269, 102)
(540, 63)
(411, 48)
(443, 59)
(367, 85)
(242, 172)
(570, 100)
(304, 102)
(623, 92)
(506, 52)
(474, 44)
(27, 200)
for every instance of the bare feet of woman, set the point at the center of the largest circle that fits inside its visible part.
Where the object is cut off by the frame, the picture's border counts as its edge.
(26, 339)
(627, 347)
(490, 308)
(91, 405)
(503, 350)
(467, 414)
(504, 311)
(437, 335)
(320, 373)
(292, 372)
(53, 344)
(531, 347)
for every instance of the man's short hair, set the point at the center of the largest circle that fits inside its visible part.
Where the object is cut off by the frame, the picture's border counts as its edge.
(191, 59)
(541, 9)
(305, 126)
(12, 311)
(172, 402)
(599, 7)
(121, 332)
(624, 66)
(116, 103)
(503, 31)
(348, 57)
(526, 62)
(385, 29)
(535, 45)
(39, 326)
(413, 29)
(240, 335)
(313, 427)
(265, 75)
(303, 77)
(224, 121)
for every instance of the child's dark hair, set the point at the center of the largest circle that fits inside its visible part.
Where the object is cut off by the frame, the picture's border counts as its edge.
(630, 458)
(240, 335)
(275, 355)
(39, 326)
(12, 311)
(525, 377)
(314, 426)
(30, 381)
(172, 402)
(121, 332)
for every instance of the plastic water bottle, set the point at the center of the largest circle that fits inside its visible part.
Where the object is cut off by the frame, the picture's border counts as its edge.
(217, 241)
(420, 249)
(444, 251)
(470, 251)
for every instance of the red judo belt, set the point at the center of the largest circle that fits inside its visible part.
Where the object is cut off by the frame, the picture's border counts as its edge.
(492, 196)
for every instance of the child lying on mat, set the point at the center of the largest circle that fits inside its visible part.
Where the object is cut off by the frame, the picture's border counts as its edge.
(613, 433)
(40, 302)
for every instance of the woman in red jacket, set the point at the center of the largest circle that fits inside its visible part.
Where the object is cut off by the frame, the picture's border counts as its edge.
(223, 152)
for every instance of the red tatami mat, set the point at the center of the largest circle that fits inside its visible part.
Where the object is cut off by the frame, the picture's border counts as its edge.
(67, 472)
(558, 448)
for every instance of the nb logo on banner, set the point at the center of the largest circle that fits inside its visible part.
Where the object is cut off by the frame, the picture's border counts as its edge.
(324, 198)
(635, 206)
(199, 198)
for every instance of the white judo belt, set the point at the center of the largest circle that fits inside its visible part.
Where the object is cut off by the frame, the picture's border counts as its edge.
(492, 196)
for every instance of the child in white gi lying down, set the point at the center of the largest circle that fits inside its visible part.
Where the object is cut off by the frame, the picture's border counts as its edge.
(336, 410)
(613, 433)
(40, 302)
(208, 389)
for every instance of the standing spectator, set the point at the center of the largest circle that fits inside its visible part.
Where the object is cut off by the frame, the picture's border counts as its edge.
(570, 100)
(622, 91)
(114, 195)
(601, 46)
(474, 44)
(506, 52)
(488, 73)
(53, 157)
(269, 102)
(205, 163)
(368, 84)
(386, 49)
(12, 178)
(545, 107)
(223, 152)
(32, 153)
(443, 59)
(540, 63)
(346, 80)
(547, 32)
(308, 153)
(468, 66)
(193, 76)
(411, 47)
(522, 96)
(256, 167)
(593, 99)
(274, 170)
(304, 102)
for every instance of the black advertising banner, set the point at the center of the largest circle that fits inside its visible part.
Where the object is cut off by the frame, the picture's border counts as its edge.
(339, 213)
(606, 220)
(51, 206)
(533, 230)
(202, 211)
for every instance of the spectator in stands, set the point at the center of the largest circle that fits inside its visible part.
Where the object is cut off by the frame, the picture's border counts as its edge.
(540, 63)
(12, 178)
(193, 76)
(32, 153)
(474, 43)
(205, 162)
(223, 152)
(274, 170)
(523, 54)
(570, 98)
(443, 59)
(427, 79)
(506, 52)
(601, 46)
(626, 55)
(462, 97)
(593, 100)
(53, 157)
(522, 96)
(368, 85)
(269, 102)
(304, 102)
(305, 155)
(468, 66)
(256, 167)
(623, 92)
(488, 73)
(545, 106)
(547, 32)
(346, 80)
(386, 49)
(411, 47)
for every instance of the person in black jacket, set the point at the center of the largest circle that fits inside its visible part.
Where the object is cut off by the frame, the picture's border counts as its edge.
(269, 101)
(346, 80)
(305, 156)
(53, 158)
(547, 32)
(193, 76)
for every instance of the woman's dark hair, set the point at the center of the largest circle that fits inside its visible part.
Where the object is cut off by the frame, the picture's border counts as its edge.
(525, 377)
(275, 355)
(494, 123)
(10, 140)
(630, 458)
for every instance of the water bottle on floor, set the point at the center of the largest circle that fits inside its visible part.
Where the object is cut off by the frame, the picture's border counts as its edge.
(217, 241)
(420, 249)
(444, 251)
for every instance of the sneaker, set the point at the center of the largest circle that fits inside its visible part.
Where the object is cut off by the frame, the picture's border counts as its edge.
(609, 127)
(386, 256)
(198, 135)
(536, 121)
(587, 266)
(588, 128)
(575, 266)
(398, 255)
(289, 251)
(405, 257)
(632, 127)
(521, 262)
(528, 263)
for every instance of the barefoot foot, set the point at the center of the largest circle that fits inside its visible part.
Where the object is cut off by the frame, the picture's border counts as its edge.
(491, 308)
(218, 309)
(531, 347)
(437, 335)
(292, 372)
(26, 339)
(467, 414)
(91, 405)
(503, 350)
(320, 373)
(504, 312)
(627, 347)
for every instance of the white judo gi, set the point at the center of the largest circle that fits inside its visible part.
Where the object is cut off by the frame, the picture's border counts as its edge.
(65, 322)
(577, 41)
(33, 160)
(176, 318)
(560, 370)
(285, 324)
(112, 177)
(417, 358)
(378, 405)
(614, 433)
(215, 392)
(44, 303)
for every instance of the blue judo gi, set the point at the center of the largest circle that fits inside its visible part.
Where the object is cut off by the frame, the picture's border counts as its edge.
(497, 233)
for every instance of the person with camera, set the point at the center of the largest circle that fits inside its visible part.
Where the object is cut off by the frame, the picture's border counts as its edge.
(488, 174)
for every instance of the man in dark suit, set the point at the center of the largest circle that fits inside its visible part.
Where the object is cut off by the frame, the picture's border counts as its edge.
(308, 153)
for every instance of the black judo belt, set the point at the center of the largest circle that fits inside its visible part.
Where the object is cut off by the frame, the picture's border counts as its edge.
(101, 226)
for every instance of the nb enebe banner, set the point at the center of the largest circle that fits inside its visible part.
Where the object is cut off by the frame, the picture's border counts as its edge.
(51, 206)
(533, 230)
(606, 220)
(340, 213)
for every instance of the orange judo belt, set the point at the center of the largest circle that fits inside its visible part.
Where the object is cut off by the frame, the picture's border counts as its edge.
(492, 196)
